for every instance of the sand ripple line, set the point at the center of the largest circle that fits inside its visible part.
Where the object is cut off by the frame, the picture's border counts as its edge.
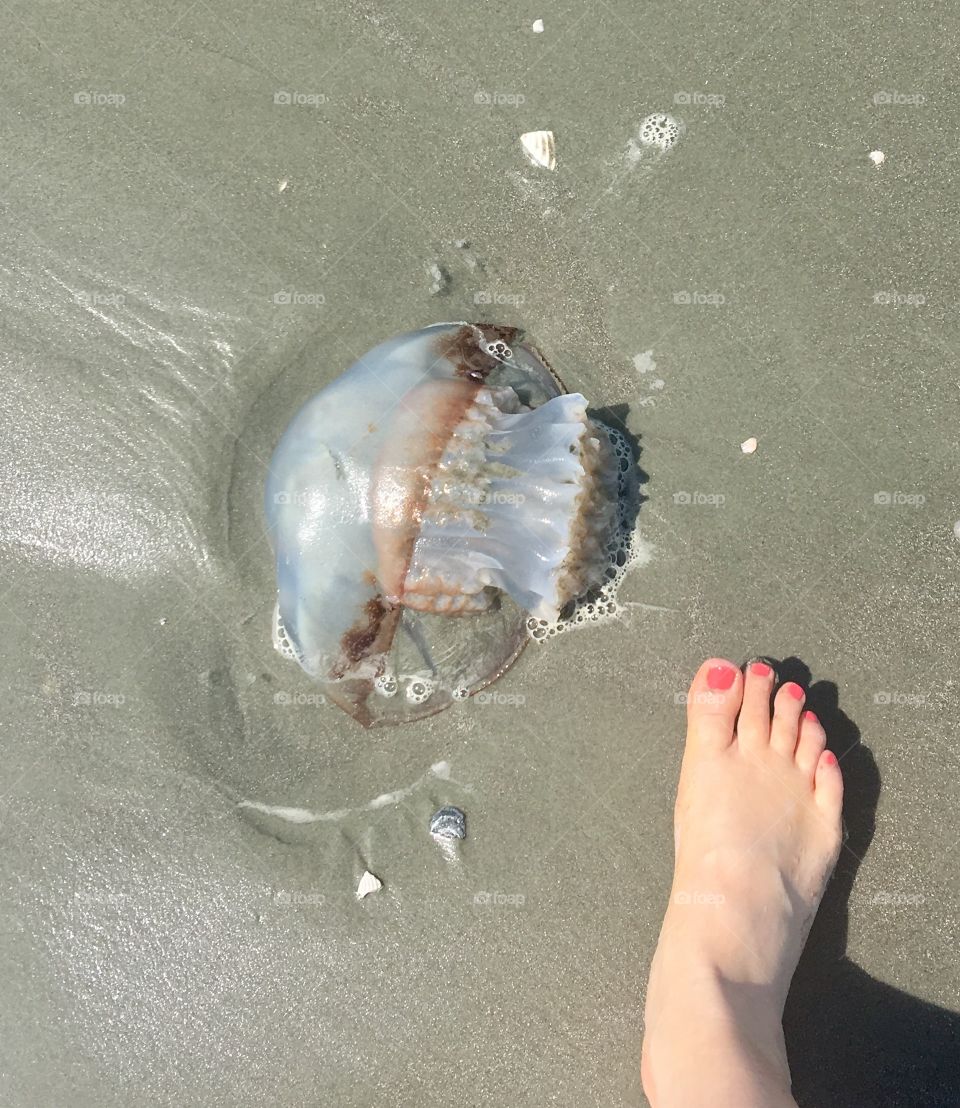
(439, 770)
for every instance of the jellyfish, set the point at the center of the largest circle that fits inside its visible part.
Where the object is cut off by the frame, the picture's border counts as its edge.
(428, 504)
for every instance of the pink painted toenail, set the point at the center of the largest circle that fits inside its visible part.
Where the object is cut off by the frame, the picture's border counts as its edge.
(810, 717)
(829, 758)
(760, 669)
(721, 677)
(794, 690)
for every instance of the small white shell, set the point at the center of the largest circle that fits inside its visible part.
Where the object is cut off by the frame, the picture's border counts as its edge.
(538, 26)
(877, 157)
(749, 446)
(368, 884)
(540, 148)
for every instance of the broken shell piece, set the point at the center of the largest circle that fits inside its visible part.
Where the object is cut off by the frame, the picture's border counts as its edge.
(448, 823)
(877, 157)
(749, 446)
(368, 884)
(283, 185)
(538, 26)
(540, 148)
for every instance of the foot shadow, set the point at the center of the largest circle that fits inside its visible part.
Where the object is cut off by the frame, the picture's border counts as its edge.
(853, 1041)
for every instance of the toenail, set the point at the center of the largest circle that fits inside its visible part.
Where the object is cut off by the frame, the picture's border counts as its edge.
(794, 690)
(829, 758)
(760, 669)
(721, 677)
(810, 717)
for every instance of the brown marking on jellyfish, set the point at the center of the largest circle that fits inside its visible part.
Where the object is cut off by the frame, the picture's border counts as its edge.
(371, 635)
(360, 640)
(594, 519)
(464, 352)
(499, 332)
(424, 421)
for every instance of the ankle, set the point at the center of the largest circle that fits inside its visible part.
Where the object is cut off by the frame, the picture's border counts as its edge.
(719, 1062)
(721, 1074)
(712, 1041)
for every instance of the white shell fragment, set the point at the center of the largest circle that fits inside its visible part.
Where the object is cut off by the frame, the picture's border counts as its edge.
(538, 26)
(877, 157)
(540, 148)
(283, 185)
(749, 446)
(368, 884)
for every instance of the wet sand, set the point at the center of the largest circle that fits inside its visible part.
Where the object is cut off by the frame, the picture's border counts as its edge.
(167, 306)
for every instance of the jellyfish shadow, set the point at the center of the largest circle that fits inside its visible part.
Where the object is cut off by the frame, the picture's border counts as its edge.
(853, 1041)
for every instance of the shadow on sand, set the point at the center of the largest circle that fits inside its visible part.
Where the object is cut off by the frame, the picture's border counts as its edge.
(855, 1042)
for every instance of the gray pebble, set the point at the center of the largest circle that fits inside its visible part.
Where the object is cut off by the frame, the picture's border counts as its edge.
(448, 823)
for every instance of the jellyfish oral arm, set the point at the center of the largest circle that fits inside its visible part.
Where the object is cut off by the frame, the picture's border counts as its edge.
(513, 504)
(423, 423)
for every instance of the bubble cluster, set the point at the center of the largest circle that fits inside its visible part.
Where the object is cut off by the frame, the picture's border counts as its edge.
(498, 350)
(624, 550)
(386, 684)
(281, 643)
(660, 130)
(420, 689)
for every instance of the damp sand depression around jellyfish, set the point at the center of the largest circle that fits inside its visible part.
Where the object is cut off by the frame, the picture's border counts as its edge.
(440, 503)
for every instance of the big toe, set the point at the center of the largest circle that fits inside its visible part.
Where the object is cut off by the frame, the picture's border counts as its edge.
(713, 701)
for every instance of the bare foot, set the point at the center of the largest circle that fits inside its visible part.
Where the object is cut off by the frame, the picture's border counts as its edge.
(757, 824)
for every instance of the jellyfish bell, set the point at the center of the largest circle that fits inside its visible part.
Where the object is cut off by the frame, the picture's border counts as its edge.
(426, 505)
